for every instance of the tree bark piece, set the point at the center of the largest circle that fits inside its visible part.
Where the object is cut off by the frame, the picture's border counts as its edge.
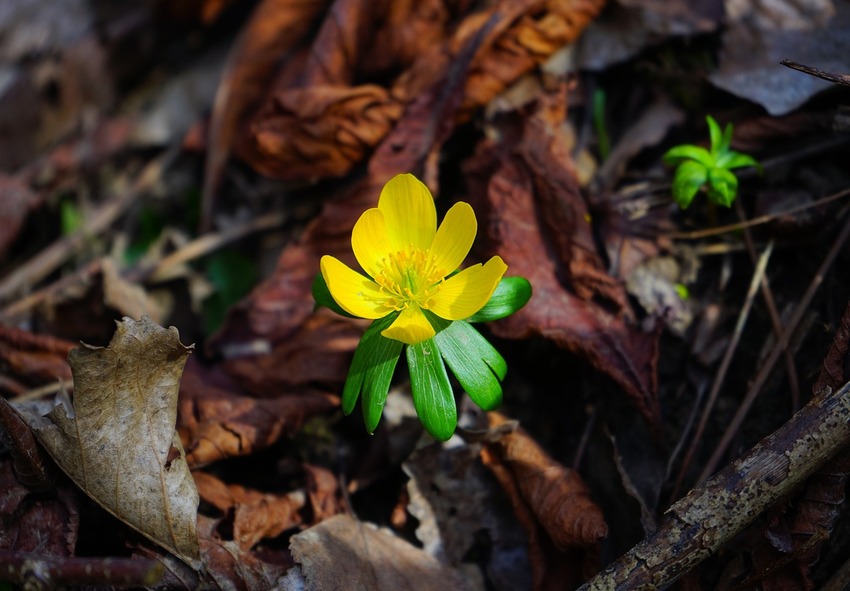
(709, 516)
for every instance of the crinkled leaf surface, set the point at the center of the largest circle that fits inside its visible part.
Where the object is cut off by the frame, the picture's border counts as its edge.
(118, 444)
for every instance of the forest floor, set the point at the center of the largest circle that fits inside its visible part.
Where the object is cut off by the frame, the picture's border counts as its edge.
(188, 164)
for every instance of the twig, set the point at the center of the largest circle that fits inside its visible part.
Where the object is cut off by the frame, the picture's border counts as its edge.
(204, 245)
(724, 364)
(817, 72)
(781, 343)
(709, 516)
(767, 295)
(38, 572)
(52, 257)
(717, 230)
(44, 390)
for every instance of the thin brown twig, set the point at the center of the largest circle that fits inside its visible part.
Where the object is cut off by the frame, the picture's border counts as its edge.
(843, 79)
(781, 343)
(770, 302)
(52, 257)
(717, 230)
(758, 274)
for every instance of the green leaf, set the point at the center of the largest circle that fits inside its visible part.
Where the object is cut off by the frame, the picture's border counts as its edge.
(687, 152)
(432, 392)
(510, 295)
(323, 297)
(726, 141)
(371, 372)
(233, 276)
(475, 363)
(722, 186)
(715, 135)
(71, 216)
(690, 176)
(731, 160)
(599, 123)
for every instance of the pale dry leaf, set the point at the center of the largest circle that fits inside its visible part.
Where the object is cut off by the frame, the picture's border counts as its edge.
(343, 553)
(118, 443)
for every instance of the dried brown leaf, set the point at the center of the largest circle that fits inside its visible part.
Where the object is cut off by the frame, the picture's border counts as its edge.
(45, 523)
(342, 552)
(217, 421)
(537, 221)
(228, 568)
(552, 503)
(256, 515)
(32, 357)
(118, 442)
(322, 131)
(323, 127)
(275, 27)
(324, 493)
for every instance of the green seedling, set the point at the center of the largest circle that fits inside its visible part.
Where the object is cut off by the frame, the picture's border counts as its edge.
(709, 170)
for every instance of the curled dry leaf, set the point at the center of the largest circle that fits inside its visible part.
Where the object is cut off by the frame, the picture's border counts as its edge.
(324, 127)
(555, 494)
(342, 552)
(256, 515)
(552, 503)
(275, 27)
(118, 442)
(322, 131)
(216, 421)
(32, 357)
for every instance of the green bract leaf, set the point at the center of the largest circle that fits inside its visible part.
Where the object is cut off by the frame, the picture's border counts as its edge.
(731, 160)
(371, 371)
(432, 392)
(722, 186)
(715, 135)
(323, 297)
(690, 176)
(511, 294)
(687, 152)
(726, 141)
(475, 363)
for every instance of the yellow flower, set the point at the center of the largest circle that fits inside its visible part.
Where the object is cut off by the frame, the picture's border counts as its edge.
(408, 261)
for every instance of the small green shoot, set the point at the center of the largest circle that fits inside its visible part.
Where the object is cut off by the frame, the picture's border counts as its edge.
(710, 170)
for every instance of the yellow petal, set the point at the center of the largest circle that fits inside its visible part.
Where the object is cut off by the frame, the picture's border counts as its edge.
(410, 327)
(356, 294)
(369, 240)
(409, 213)
(464, 294)
(454, 237)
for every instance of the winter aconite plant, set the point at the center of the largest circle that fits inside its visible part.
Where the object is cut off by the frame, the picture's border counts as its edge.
(711, 170)
(420, 301)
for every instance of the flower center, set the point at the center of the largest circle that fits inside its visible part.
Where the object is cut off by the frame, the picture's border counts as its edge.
(409, 277)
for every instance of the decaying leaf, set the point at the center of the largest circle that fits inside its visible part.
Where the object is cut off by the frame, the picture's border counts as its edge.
(537, 221)
(276, 27)
(228, 567)
(324, 126)
(551, 502)
(342, 552)
(34, 358)
(42, 523)
(458, 505)
(255, 515)
(118, 442)
(217, 421)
